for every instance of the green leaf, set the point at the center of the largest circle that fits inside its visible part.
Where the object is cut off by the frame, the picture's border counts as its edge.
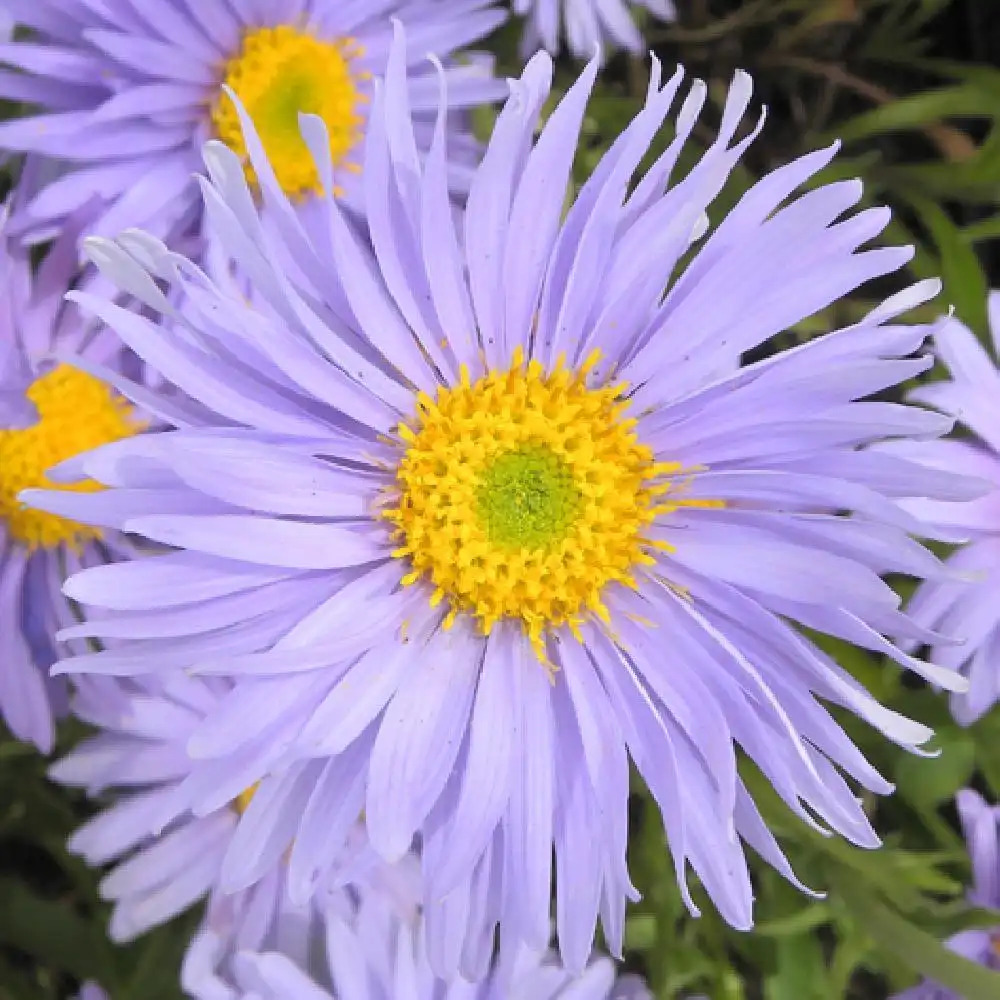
(965, 284)
(915, 947)
(915, 110)
(926, 782)
(801, 971)
(809, 918)
(50, 931)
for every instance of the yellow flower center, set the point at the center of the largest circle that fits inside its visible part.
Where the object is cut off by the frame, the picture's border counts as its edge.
(76, 412)
(278, 73)
(524, 494)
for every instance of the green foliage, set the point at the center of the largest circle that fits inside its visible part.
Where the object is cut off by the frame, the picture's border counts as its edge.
(53, 923)
(909, 88)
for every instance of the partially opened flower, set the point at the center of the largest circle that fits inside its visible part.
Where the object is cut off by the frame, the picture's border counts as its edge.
(966, 606)
(981, 824)
(587, 24)
(468, 523)
(49, 411)
(127, 92)
(166, 859)
(366, 943)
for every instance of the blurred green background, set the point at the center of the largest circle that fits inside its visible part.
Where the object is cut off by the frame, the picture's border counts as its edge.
(912, 87)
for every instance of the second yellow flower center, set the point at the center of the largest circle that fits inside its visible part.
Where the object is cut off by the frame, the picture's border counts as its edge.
(76, 412)
(280, 73)
(523, 495)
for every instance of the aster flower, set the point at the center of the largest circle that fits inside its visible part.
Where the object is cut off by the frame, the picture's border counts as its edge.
(127, 92)
(586, 24)
(468, 523)
(49, 411)
(364, 943)
(981, 824)
(967, 605)
(91, 991)
(139, 754)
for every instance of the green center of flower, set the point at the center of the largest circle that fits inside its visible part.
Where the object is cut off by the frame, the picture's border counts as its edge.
(527, 498)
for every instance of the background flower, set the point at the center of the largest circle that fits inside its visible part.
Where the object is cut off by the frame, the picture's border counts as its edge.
(166, 857)
(357, 943)
(92, 991)
(981, 825)
(586, 24)
(49, 411)
(966, 606)
(126, 100)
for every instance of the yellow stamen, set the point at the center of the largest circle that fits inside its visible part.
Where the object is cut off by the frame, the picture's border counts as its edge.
(242, 801)
(523, 495)
(76, 412)
(278, 73)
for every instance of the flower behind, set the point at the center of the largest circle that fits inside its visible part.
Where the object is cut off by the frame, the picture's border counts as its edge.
(981, 824)
(166, 858)
(586, 24)
(967, 605)
(365, 942)
(49, 411)
(125, 100)
(468, 524)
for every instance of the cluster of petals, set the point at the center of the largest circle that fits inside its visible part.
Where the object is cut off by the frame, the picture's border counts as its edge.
(587, 24)
(364, 941)
(38, 330)
(341, 693)
(968, 603)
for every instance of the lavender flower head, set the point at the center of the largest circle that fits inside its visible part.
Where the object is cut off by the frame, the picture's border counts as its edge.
(981, 824)
(586, 24)
(365, 942)
(127, 92)
(91, 991)
(467, 523)
(49, 411)
(165, 859)
(967, 605)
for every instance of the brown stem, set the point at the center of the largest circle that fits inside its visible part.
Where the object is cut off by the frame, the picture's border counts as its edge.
(954, 145)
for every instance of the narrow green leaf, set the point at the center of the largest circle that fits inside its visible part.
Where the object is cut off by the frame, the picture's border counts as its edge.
(915, 110)
(915, 947)
(801, 971)
(965, 284)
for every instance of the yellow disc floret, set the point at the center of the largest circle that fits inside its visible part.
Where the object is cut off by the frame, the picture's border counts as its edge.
(76, 412)
(242, 801)
(278, 73)
(523, 495)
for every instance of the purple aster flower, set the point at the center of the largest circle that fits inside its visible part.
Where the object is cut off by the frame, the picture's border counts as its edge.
(127, 92)
(366, 943)
(467, 522)
(165, 860)
(981, 824)
(92, 991)
(968, 604)
(49, 411)
(586, 24)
